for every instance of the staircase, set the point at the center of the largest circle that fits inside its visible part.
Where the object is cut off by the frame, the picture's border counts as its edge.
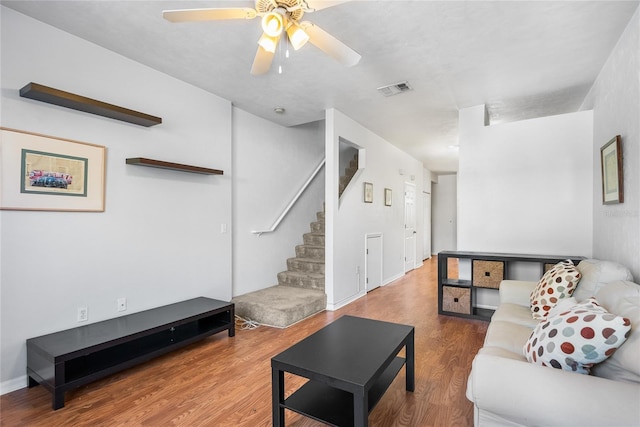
(349, 172)
(300, 290)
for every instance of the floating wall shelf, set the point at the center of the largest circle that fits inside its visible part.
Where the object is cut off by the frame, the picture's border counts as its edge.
(141, 161)
(76, 102)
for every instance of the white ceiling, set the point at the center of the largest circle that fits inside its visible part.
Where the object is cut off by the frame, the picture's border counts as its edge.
(522, 59)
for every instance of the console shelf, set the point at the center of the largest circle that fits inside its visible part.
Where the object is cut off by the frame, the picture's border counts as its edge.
(69, 359)
(141, 161)
(458, 296)
(76, 102)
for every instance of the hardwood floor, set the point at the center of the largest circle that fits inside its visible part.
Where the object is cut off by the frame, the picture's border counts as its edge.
(224, 381)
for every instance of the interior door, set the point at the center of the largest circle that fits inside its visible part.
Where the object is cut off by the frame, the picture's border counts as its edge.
(374, 262)
(426, 235)
(409, 226)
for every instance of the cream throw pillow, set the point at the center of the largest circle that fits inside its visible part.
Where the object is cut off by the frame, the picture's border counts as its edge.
(557, 283)
(596, 273)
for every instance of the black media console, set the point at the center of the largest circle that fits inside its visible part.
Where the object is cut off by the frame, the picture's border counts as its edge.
(68, 359)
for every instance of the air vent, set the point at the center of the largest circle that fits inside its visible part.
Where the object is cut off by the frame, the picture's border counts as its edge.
(395, 88)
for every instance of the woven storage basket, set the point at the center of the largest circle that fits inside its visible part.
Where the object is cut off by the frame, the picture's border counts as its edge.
(456, 300)
(487, 274)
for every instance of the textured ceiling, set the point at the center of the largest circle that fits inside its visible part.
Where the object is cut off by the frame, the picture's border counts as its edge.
(522, 59)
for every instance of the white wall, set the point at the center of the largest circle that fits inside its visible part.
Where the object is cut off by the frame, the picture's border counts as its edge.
(525, 187)
(444, 213)
(271, 163)
(159, 239)
(349, 221)
(615, 100)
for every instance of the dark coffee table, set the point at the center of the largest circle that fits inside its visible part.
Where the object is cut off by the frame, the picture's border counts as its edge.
(350, 364)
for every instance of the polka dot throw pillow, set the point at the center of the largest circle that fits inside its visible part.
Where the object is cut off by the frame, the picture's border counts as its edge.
(578, 338)
(558, 282)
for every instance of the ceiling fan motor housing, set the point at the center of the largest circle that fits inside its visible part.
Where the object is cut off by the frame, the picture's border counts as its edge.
(266, 6)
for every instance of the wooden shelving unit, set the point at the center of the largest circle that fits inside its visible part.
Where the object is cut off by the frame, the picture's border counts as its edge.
(458, 297)
(76, 102)
(141, 161)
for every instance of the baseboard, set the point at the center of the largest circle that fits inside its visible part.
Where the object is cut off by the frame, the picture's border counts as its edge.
(13, 384)
(393, 279)
(340, 304)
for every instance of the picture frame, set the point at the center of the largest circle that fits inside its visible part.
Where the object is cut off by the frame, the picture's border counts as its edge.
(46, 173)
(368, 192)
(387, 196)
(612, 176)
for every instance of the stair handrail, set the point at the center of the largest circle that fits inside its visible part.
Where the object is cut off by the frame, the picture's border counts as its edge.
(293, 201)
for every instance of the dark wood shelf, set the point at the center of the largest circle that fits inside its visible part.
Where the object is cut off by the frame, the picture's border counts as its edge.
(76, 102)
(334, 406)
(141, 161)
(457, 282)
(69, 359)
(483, 313)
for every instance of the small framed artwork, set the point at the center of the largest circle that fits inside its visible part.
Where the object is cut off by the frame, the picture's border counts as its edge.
(45, 173)
(387, 197)
(612, 178)
(368, 192)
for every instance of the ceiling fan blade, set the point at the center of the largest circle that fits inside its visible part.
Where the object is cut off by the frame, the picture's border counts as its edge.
(315, 5)
(262, 61)
(331, 45)
(192, 15)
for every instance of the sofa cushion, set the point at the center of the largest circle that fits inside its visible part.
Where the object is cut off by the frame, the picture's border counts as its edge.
(506, 335)
(558, 282)
(514, 313)
(501, 352)
(595, 274)
(517, 292)
(578, 338)
(622, 298)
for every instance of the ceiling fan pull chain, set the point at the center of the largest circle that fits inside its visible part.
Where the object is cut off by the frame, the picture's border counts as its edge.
(280, 56)
(286, 52)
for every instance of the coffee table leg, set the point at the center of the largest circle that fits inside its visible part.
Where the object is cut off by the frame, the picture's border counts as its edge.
(277, 396)
(360, 409)
(410, 362)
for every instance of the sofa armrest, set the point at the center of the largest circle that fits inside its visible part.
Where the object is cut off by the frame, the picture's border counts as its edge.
(533, 395)
(516, 292)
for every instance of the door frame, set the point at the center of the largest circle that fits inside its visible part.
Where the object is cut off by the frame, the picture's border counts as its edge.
(366, 259)
(404, 225)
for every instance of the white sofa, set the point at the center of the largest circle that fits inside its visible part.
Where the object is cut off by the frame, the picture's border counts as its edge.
(507, 390)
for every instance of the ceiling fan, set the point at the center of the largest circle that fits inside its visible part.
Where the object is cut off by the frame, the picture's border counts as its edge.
(278, 17)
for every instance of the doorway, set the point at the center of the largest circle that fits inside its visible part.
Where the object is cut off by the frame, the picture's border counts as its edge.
(409, 226)
(373, 262)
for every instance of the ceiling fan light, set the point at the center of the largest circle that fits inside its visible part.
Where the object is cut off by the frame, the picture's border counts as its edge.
(273, 24)
(297, 36)
(268, 43)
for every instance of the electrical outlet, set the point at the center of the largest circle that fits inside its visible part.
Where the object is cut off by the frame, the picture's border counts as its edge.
(83, 314)
(122, 304)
